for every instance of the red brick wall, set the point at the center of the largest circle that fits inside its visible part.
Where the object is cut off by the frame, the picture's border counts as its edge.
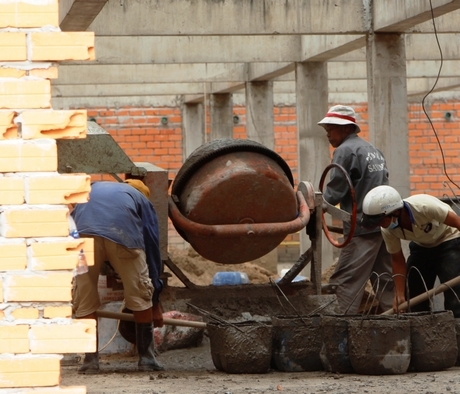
(142, 135)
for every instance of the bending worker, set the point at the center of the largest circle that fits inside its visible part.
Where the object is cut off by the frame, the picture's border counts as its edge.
(365, 257)
(124, 225)
(434, 231)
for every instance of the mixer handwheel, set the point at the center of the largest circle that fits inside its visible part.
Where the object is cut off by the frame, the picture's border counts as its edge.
(353, 209)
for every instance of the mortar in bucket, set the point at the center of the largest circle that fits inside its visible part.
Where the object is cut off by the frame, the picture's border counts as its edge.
(296, 343)
(433, 340)
(334, 353)
(233, 200)
(242, 347)
(379, 345)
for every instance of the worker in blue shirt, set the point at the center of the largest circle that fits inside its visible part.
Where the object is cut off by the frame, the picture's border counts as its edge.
(124, 225)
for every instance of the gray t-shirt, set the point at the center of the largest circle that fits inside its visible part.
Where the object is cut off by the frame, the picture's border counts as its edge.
(366, 167)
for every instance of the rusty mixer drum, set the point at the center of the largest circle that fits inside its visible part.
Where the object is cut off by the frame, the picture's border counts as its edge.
(228, 183)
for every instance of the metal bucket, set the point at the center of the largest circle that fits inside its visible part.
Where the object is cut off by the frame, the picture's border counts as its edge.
(241, 347)
(233, 201)
(433, 341)
(379, 345)
(296, 343)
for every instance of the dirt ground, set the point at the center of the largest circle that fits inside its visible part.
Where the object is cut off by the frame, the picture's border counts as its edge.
(192, 370)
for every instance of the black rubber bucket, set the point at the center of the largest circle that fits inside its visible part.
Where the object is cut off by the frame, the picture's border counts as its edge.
(379, 345)
(457, 330)
(241, 347)
(433, 341)
(334, 353)
(296, 343)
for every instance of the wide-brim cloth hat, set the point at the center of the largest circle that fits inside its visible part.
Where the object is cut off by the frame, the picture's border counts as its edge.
(139, 185)
(341, 115)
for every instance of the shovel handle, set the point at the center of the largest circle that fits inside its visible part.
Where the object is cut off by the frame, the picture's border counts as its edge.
(167, 321)
(425, 296)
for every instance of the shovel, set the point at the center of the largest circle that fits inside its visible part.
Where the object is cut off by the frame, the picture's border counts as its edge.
(167, 321)
(425, 296)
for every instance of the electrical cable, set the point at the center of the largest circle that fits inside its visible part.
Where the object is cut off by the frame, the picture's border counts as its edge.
(431, 90)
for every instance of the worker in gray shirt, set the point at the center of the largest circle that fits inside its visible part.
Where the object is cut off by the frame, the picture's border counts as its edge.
(365, 257)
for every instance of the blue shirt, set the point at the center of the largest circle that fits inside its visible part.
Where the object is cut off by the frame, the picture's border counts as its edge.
(122, 214)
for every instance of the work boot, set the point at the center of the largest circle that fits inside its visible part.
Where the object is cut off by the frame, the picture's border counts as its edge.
(90, 364)
(146, 347)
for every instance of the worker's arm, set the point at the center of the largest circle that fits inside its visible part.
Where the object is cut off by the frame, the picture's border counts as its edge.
(398, 263)
(452, 220)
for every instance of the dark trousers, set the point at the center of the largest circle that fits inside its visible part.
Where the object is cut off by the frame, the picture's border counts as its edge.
(425, 264)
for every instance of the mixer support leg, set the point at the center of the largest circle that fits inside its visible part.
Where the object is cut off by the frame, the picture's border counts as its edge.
(178, 272)
(300, 264)
(316, 244)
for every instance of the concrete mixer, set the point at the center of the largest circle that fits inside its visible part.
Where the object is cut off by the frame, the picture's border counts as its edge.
(233, 201)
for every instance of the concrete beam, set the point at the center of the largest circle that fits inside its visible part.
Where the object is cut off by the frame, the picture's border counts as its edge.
(226, 73)
(264, 17)
(222, 49)
(405, 14)
(236, 49)
(230, 17)
(444, 24)
(80, 14)
(415, 86)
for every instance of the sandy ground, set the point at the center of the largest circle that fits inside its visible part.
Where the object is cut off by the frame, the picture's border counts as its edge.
(190, 371)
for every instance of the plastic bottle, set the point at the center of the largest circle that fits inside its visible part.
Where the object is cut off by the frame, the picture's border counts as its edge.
(82, 264)
(230, 278)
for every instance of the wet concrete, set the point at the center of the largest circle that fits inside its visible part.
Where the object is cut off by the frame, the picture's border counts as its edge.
(334, 353)
(379, 346)
(241, 347)
(297, 343)
(433, 341)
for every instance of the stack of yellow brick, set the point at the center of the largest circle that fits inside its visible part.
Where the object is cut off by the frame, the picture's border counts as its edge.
(37, 256)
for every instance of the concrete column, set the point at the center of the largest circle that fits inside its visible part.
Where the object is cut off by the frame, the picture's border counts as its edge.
(259, 113)
(387, 96)
(259, 128)
(313, 146)
(221, 116)
(192, 127)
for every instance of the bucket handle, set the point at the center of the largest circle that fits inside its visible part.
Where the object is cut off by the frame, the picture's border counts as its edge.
(243, 229)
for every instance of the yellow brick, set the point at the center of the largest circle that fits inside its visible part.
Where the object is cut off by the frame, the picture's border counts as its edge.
(53, 124)
(25, 93)
(13, 255)
(49, 286)
(25, 313)
(59, 253)
(11, 72)
(47, 73)
(28, 156)
(51, 312)
(29, 14)
(11, 190)
(13, 46)
(26, 371)
(56, 46)
(33, 221)
(77, 337)
(8, 130)
(58, 189)
(14, 339)
(56, 390)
